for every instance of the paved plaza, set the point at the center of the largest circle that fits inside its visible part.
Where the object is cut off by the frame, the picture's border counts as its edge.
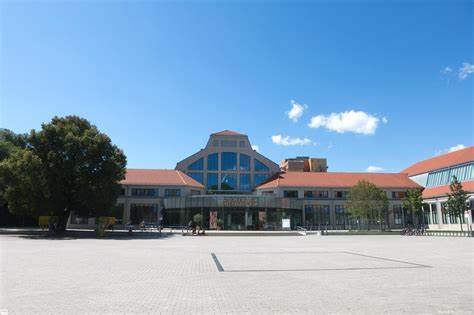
(271, 274)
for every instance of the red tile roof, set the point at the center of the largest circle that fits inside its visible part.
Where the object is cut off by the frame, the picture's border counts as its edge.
(159, 177)
(228, 133)
(339, 179)
(441, 161)
(444, 190)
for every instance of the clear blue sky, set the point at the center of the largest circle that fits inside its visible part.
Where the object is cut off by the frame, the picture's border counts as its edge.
(159, 77)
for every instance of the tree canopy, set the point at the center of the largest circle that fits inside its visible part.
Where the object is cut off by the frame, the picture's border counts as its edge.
(66, 166)
(366, 201)
(457, 200)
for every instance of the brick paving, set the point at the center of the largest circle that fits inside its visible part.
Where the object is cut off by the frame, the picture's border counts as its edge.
(271, 274)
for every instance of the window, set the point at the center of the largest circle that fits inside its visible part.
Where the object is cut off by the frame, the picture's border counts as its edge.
(398, 194)
(290, 194)
(317, 215)
(122, 192)
(197, 176)
(172, 192)
(397, 214)
(228, 161)
(260, 167)
(144, 192)
(444, 177)
(341, 195)
(228, 181)
(242, 144)
(229, 143)
(244, 181)
(212, 182)
(212, 162)
(197, 165)
(434, 214)
(259, 178)
(244, 162)
(340, 211)
(269, 192)
(215, 143)
(320, 194)
(194, 192)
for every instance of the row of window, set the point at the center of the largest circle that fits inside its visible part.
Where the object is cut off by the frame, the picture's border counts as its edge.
(228, 163)
(228, 181)
(444, 177)
(153, 192)
(228, 143)
(324, 194)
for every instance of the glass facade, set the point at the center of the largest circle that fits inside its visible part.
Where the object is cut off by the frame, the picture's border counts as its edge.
(260, 167)
(228, 181)
(197, 165)
(340, 212)
(317, 215)
(245, 182)
(212, 182)
(228, 161)
(244, 164)
(213, 162)
(444, 177)
(172, 192)
(143, 213)
(259, 178)
(197, 176)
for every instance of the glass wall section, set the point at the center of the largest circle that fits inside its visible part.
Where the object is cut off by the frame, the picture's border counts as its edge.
(397, 214)
(228, 181)
(144, 192)
(212, 182)
(213, 162)
(143, 213)
(434, 214)
(260, 167)
(197, 165)
(245, 182)
(228, 161)
(244, 162)
(259, 178)
(317, 216)
(444, 177)
(340, 211)
(197, 176)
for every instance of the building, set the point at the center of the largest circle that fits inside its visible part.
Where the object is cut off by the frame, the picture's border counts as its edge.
(234, 187)
(435, 175)
(228, 164)
(304, 164)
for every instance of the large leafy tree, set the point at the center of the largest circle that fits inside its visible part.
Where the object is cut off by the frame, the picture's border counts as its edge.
(367, 202)
(413, 201)
(457, 200)
(66, 166)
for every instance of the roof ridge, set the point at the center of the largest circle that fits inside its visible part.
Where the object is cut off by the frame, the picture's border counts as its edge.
(180, 176)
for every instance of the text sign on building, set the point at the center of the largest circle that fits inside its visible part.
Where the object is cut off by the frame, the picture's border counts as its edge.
(240, 202)
(285, 223)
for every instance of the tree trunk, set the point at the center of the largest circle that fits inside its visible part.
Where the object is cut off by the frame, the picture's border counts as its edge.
(460, 221)
(62, 222)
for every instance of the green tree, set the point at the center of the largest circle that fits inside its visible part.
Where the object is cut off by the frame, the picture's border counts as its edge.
(457, 201)
(413, 201)
(367, 202)
(66, 166)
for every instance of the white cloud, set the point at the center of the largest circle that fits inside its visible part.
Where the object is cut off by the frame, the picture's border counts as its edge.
(465, 70)
(255, 147)
(451, 149)
(296, 111)
(374, 169)
(384, 120)
(287, 141)
(348, 121)
(447, 70)
(456, 148)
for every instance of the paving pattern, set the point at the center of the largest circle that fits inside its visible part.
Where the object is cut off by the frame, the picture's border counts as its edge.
(215, 275)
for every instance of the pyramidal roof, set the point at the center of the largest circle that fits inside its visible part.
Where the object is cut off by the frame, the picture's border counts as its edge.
(228, 133)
